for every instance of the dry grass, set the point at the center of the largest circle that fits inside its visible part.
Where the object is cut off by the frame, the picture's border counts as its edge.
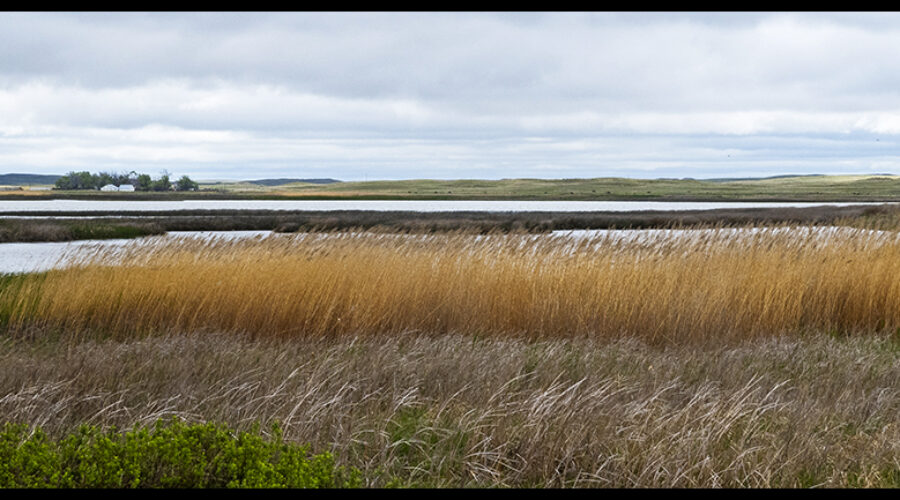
(452, 411)
(699, 286)
(693, 359)
(32, 230)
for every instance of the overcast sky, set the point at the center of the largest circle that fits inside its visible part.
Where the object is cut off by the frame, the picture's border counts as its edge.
(358, 96)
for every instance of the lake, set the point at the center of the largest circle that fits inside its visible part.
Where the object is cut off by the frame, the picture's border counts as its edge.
(29, 257)
(385, 205)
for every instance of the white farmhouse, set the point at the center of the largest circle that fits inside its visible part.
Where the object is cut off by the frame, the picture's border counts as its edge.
(126, 187)
(109, 187)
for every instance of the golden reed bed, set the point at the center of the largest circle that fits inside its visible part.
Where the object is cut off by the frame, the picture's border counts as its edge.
(699, 285)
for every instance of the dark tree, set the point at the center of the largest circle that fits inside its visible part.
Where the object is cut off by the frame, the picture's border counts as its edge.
(162, 184)
(144, 183)
(186, 184)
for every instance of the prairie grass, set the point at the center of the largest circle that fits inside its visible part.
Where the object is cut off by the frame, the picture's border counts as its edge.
(662, 287)
(453, 411)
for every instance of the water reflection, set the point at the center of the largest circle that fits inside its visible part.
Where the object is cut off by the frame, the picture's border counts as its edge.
(386, 205)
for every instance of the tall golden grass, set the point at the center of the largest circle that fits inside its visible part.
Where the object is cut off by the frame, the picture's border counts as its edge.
(724, 283)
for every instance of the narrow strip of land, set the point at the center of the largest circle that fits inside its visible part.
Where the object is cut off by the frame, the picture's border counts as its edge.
(64, 226)
(818, 188)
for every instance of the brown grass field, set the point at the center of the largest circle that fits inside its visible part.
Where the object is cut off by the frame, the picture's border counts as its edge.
(707, 286)
(454, 411)
(724, 357)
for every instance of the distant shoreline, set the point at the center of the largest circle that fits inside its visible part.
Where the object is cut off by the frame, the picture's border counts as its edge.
(113, 223)
(808, 188)
(753, 198)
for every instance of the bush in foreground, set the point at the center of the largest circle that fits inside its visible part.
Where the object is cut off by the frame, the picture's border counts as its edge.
(171, 455)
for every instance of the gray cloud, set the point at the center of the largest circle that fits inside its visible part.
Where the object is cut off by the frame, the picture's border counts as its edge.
(451, 94)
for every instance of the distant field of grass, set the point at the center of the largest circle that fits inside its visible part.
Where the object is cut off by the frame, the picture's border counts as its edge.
(788, 188)
(799, 188)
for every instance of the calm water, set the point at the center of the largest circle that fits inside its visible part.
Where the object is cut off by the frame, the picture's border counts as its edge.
(28, 257)
(407, 205)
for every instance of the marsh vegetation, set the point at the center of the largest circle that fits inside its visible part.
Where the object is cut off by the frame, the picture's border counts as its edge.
(457, 410)
(718, 356)
(61, 225)
(34, 230)
(694, 286)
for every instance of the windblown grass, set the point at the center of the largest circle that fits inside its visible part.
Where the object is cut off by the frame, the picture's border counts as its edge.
(724, 283)
(447, 410)
(727, 357)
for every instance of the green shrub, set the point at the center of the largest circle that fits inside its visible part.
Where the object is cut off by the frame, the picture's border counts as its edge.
(169, 455)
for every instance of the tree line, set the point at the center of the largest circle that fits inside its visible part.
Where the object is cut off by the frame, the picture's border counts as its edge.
(141, 182)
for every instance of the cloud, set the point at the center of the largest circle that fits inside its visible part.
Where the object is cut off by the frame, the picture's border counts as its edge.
(447, 94)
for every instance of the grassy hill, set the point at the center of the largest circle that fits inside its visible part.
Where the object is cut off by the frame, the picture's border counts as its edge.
(880, 187)
(280, 182)
(813, 188)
